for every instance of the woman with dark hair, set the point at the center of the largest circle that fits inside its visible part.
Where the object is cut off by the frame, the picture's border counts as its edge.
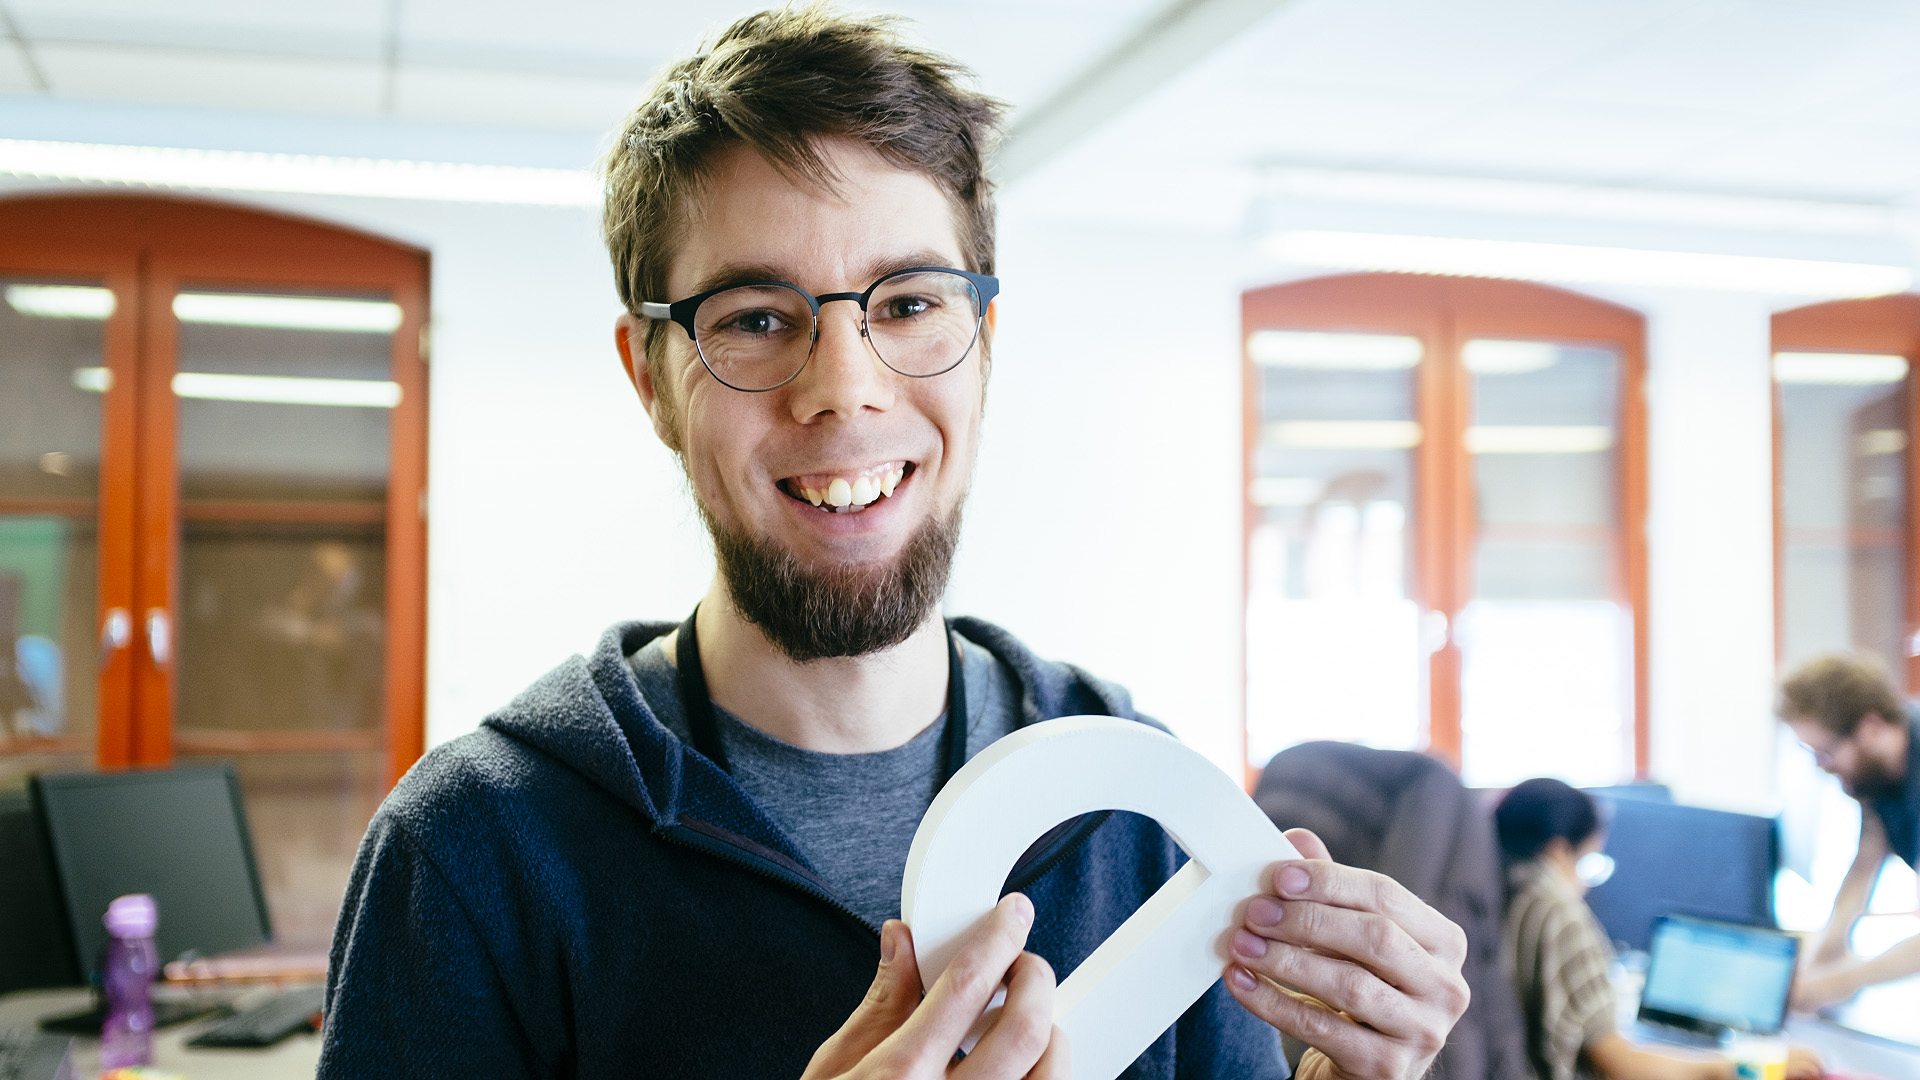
(1560, 954)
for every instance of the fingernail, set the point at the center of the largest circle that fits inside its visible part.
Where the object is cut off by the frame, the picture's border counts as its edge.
(1251, 946)
(1262, 911)
(1022, 908)
(1293, 881)
(889, 941)
(1240, 977)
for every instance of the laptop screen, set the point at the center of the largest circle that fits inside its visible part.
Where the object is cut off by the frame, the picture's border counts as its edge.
(1709, 975)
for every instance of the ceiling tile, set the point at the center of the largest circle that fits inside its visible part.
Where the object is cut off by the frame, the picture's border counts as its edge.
(176, 77)
(1760, 61)
(585, 28)
(205, 23)
(513, 100)
(15, 77)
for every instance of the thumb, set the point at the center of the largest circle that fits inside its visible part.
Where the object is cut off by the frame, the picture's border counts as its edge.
(1308, 845)
(890, 1000)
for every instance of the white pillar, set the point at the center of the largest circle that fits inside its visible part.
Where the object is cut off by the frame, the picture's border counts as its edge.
(1710, 547)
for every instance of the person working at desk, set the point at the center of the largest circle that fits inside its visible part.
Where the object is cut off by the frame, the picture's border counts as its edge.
(682, 856)
(1560, 955)
(1863, 732)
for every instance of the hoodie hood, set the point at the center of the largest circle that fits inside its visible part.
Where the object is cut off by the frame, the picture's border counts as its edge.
(589, 714)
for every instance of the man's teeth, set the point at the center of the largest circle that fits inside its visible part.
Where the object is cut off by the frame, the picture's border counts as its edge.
(840, 494)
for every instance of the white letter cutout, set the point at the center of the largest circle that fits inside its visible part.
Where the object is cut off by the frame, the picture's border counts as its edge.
(1138, 982)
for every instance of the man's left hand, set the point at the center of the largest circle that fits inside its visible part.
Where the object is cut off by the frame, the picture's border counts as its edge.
(1385, 965)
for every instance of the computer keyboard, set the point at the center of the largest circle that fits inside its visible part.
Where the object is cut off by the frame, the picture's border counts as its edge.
(34, 1055)
(267, 1023)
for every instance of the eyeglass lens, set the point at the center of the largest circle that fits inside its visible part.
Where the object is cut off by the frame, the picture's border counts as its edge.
(757, 337)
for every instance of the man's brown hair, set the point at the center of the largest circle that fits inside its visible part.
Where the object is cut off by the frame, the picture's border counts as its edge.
(1837, 690)
(776, 81)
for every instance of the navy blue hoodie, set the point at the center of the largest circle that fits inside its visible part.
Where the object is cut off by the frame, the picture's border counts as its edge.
(572, 891)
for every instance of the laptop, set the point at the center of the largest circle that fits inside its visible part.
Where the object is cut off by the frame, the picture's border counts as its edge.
(1707, 979)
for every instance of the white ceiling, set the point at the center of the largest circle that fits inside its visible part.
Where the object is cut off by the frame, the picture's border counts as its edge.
(1809, 98)
(1819, 98)
(563, 64)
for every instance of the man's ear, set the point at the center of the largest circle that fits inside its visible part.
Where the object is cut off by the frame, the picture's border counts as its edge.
(993, 315)
(626, 330)
(629, 338)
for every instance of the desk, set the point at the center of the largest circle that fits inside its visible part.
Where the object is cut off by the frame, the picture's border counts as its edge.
(297, 1056)
(1850, 1052)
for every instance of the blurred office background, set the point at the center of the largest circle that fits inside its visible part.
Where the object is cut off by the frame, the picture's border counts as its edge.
(1570, 516)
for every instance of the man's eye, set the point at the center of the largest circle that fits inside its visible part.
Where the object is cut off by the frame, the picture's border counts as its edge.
(906, 307)
(754, 322)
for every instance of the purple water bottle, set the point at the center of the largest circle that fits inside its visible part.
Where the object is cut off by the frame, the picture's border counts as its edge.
(127, 971)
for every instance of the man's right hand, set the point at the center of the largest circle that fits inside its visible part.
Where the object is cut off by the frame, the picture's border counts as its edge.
(895, 1035)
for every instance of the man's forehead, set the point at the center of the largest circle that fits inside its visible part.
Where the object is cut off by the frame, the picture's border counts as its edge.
(755, 220)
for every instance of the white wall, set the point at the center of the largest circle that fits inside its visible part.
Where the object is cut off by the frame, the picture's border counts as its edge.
(1710, 546)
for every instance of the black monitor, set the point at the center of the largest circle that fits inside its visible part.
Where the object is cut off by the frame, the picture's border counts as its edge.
(179, 835)
(1671, 859)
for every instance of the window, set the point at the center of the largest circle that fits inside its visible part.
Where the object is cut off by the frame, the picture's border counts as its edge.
(212, 453)
(1844, 517)
(1445, 486)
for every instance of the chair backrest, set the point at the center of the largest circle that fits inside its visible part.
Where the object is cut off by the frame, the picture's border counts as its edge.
(1407, 816)
(36, 947)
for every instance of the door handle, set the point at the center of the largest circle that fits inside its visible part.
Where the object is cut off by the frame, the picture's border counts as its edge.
(116, 633)
(159, 636)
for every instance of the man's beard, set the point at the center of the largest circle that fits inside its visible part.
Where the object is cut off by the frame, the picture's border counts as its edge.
(1873, 780)
(813, 613)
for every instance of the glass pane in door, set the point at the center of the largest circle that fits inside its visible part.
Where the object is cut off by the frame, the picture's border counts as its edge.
(1333, 643)
(1843, 484)
(284, 412)
(1545, 641)
(52, 379)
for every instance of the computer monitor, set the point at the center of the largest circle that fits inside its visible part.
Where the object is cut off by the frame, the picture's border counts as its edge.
(1671, 859)
(179, 835)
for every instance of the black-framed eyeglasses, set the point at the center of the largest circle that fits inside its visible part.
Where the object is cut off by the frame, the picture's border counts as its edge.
(758, 335)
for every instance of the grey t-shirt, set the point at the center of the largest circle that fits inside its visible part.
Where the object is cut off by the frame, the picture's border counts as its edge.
(852, 815)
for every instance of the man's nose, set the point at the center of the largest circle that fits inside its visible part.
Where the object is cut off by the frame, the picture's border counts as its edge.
(845, 377)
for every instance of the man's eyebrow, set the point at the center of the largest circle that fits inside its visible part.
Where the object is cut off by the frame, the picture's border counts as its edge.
(732, 274)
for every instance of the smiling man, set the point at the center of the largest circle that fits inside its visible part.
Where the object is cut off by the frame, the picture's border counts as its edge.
(682, 856)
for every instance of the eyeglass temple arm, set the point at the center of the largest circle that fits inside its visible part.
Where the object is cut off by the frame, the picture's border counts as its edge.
(651, 310)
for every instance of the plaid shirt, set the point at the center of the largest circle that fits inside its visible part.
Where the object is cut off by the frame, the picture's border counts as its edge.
(1560, 957)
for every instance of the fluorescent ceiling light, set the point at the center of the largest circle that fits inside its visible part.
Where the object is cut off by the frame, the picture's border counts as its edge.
(1881, 441)
(61, 301)
(1838, 369)
(1538, 439)
(94, 380)
(288, 312)
(1344, 434)
(1333, 352)
(1579, 263)
(1285, 491)
(1590, 201)
(279, 390)
(237, 170)
(1489, 356)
